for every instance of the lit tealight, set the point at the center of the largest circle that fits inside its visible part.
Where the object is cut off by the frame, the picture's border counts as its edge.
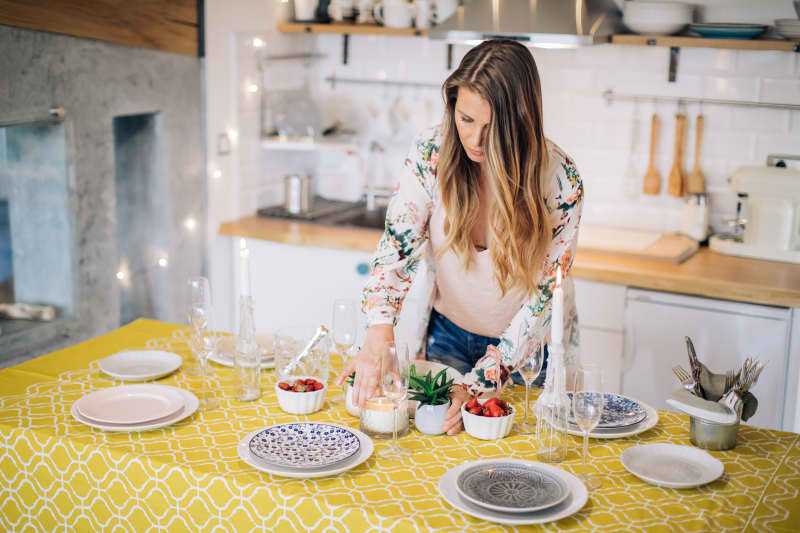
(252, 88)
(120, 275)
(190, 223)
(258, 42)
(162, 262)
(217, 174)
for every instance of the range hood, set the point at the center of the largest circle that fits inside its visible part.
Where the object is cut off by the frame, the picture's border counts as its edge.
(538, 23)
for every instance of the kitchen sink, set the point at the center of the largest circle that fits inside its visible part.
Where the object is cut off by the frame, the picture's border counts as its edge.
(357, 218)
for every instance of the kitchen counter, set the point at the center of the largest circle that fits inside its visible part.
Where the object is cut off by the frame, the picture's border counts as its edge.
(706, 273)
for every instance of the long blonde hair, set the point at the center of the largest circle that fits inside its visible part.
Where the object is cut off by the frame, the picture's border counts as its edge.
(504, 73)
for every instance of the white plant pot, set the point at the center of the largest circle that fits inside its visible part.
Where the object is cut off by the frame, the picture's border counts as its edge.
(429, 419)
(351, 407)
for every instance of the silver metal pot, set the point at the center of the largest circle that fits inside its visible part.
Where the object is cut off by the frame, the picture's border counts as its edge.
(298, 195)
(712, 436)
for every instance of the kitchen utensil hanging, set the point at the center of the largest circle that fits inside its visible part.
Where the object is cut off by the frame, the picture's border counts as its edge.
(697, 181)
(677, 176)
(652, 178)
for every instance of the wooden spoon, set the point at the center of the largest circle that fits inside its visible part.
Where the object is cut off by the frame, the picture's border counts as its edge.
(652, 179)
(697, 181)
(677, 176)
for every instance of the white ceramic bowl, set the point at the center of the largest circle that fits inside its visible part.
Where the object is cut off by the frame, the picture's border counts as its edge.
(487, 427)
(654, 27)
(300, 403)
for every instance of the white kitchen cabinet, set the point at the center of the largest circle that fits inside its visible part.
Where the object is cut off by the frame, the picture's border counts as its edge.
(296, 285)
(723, 332)
(601, 310)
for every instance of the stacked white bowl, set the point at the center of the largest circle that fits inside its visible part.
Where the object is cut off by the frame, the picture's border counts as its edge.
(657, 17)
(789, 28)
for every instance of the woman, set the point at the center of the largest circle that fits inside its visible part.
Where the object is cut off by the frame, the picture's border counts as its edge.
(494, 208)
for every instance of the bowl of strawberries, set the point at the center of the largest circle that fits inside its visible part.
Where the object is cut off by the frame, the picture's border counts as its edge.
(301, 395)
(487, 419)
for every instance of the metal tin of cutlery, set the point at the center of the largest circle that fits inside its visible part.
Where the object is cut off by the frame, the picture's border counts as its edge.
(712, 436)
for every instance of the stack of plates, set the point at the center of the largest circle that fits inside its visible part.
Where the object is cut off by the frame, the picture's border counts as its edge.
(134, 407)
(226, 346)
(513, 491)
(622, 417)
(789, 28)
(140, 365)
(305, 449)
(728, 30)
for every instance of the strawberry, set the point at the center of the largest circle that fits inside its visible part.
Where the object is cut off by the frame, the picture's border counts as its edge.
(473, 403)
(318, 386)
(503, 405)
(495, 411)
(492, 401)
(476, 410)
(284, 386)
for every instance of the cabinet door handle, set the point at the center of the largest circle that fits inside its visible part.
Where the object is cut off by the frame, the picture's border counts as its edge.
(362, 269)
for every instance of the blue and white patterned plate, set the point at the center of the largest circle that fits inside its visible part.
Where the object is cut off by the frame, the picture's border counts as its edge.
(511, 487)
(618, 412)
(304, 444)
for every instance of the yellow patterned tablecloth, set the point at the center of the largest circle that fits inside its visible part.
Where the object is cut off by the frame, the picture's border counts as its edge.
(58, 475)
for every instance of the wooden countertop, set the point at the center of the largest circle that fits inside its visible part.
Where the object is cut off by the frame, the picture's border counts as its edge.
(706, 273)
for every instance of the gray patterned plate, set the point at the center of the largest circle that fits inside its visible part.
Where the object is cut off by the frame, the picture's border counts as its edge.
(618, 412)
(304, 444)
(511, 487)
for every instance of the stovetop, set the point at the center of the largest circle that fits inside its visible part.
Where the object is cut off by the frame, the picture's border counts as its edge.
(320, 207)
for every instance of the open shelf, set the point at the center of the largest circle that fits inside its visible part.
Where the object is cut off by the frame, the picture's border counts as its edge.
(349, 29)
(342, 142)
(700, 42)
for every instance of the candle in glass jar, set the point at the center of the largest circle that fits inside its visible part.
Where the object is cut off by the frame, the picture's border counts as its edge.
(244, 257)
(557, 319)
(376, 416)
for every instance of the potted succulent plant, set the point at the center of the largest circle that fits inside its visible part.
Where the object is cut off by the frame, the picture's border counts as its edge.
(433, 394)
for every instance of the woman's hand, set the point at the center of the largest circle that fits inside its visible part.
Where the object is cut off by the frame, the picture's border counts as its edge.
(366, 363)
(452, 419)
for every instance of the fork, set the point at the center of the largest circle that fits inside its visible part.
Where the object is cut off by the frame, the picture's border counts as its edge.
(684, 377)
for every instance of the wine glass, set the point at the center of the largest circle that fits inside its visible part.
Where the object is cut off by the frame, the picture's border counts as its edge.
(530, 365)
(345, 326)
(587, 409)
(203, 339)
(394, 375)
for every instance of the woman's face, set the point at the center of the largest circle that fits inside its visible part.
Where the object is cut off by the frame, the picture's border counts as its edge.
(473, 114)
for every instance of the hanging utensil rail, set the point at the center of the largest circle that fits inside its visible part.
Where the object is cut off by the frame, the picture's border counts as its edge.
(333, 80)
(610, 96)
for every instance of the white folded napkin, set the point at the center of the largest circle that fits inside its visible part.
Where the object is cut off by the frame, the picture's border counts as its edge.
(690, 404)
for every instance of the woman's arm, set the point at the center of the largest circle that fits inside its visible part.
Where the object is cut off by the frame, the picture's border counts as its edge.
(532, 321)
(396, 259)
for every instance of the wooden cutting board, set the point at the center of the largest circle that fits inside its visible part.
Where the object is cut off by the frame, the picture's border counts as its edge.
(669, 248)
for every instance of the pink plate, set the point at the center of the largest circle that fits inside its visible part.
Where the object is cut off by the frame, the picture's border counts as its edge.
(130, 404)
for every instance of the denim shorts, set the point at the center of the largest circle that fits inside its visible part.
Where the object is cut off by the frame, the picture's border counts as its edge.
(456, 347)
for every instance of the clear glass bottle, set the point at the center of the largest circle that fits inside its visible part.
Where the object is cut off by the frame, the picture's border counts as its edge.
(247, 355)
(554, 410)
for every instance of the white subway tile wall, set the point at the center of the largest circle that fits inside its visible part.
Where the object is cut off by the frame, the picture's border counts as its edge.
(597, 134)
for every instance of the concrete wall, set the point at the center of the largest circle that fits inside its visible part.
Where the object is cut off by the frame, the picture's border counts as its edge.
(95, 82)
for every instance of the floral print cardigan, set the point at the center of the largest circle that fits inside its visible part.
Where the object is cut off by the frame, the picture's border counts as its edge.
(400, 259)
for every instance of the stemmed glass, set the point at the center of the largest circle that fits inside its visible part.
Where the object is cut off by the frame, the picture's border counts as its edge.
(203, 338)
(587, 409)
(345, 325)
(530, 366)
(394, 375)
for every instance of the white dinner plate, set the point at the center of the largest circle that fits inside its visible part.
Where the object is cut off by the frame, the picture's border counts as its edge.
(365, 451)
(225, 347)
(130, 404)
(190, 405)
(649, 422)
(140, 365)
(671, 465)
(578, 495)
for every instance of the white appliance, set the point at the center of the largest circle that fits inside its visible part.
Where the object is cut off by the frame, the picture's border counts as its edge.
(724, 334)
(772, 225)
